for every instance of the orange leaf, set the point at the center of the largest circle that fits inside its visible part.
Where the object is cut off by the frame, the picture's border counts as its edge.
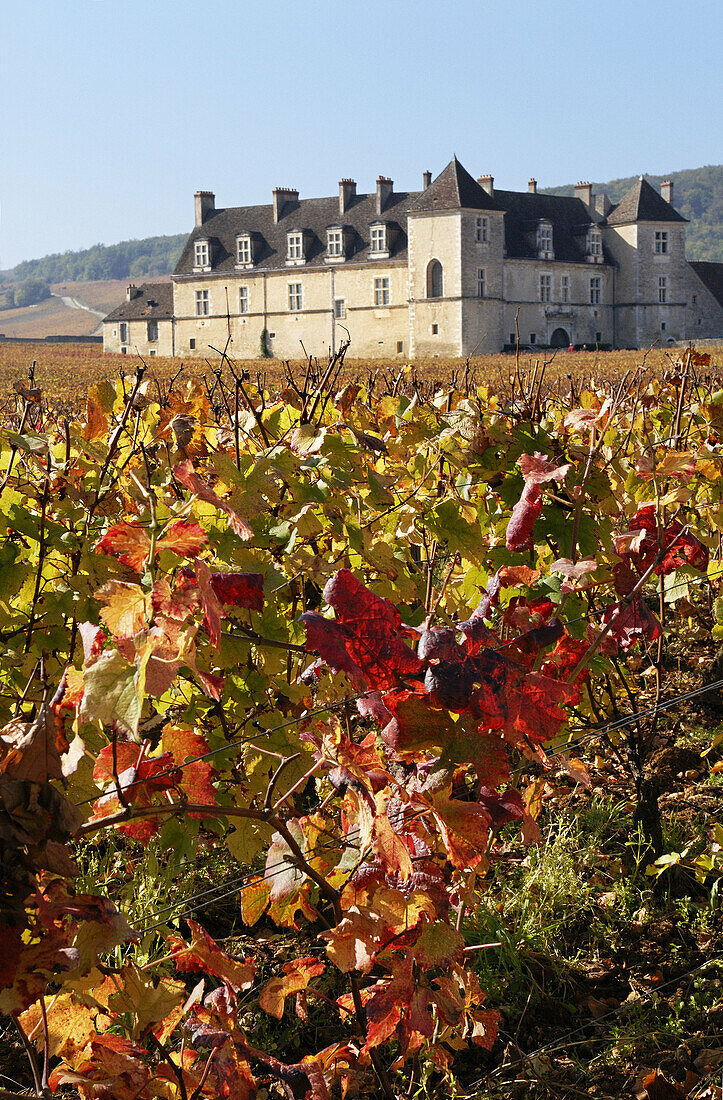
(183, 538)
(129, 542)
(297, 975)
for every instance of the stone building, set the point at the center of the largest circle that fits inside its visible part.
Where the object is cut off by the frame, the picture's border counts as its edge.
(457, 268)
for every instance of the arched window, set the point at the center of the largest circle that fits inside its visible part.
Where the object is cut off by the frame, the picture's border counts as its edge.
(435, 288)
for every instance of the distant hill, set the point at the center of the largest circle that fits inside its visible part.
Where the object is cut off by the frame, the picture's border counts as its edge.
(146, 259)
(697, 195)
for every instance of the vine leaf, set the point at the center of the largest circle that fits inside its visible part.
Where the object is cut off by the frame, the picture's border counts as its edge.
(297, 975)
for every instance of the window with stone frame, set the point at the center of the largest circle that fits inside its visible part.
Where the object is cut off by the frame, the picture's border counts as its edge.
(481, 282)
(482, 230)
(151, 331)
(295, 246)
(296, 298)
(340, 308)
(595, 290)
(661, 242)
(662, 289)
(378, 239)
(243, 299)
(203, 303)
(594, 242)
(544, 240)
(201, 254)
(565, 289)
(381, 291)
(334, 242)
(123, 336)
(243, 249)
(545, 288)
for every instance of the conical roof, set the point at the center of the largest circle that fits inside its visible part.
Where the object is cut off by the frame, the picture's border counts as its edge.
(642, 203)
(453, 189)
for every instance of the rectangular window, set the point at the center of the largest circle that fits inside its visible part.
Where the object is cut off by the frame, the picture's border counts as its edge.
(379, 238)
(243, 299)
(400, 347)
(481, 282)
(334, 242)
(192, 344)
(152, 330)
(662, 288)
(545, 288)
(243, 250)
(381, 291)
(544, 237)
(565, 288)
(295, 297)
(482, 231)
(295, 246)
(203, 304)
(435, 330)
(153, 350)
(200, 254)
(661, 242)
(598, 337)
(513, 338)
(124, 332)
(533, 337)
(595, 285)
(595, 243)
(662, 326)
(340, 308)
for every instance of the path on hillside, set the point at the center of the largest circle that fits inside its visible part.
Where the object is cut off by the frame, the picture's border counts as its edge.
(75, 303)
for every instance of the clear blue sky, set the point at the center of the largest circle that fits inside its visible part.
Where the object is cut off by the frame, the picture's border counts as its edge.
(115, 111)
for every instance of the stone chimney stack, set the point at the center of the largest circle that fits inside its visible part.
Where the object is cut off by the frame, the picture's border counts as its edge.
(666, 190)
(205, 204)
(426, 180)
(347, 193)
(385, 188)
(131, 292)
(281, 197)
(532, 186)
(583, 190)
(487, 183)
(603, 205)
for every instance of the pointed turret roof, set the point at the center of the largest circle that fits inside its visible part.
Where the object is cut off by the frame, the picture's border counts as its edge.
(642, 203)
(453, 189)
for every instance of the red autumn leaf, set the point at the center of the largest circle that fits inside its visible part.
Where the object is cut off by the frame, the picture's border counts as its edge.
(204, 955)
(522, 520)
(631, 623)
(465, 829)
(388, 1001)
(683, 549)
(513, 576)
(537, 468)
(416, 725)
(129, 542)
(326, 637)
(502, 806)
(372, 631)
(297, 975)
(233, 589)
(204, 1036)
(185, 473)
(183, 538)
(196, 779)
(212, 613)
(440, 644)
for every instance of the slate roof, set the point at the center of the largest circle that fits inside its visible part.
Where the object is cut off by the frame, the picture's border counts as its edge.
(221, 228)
(642, 203)
(452, 189)
(711, 275)
(570, 219)
(138, 309)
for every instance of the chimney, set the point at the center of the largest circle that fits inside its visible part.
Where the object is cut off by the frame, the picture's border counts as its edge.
(487, 183)
(385, 187)
(666, 190)
(347, 192)
(426, 180)
(583, 190)
(532, 186)
(131, 292)
(205, 202)
(603, 205)
(281, 196)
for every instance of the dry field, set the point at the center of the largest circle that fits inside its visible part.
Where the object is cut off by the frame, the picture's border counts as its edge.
(54, 317)
(65, 371)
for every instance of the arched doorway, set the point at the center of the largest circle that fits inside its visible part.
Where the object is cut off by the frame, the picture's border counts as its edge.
(560, 339)
(435, 280)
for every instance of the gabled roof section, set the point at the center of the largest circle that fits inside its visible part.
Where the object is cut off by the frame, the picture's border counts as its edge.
(711, 276)
(150, 302)
(454, 189)
(642, 203)
(570, 219)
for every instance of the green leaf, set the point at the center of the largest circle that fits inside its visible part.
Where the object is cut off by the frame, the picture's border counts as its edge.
(111, 693)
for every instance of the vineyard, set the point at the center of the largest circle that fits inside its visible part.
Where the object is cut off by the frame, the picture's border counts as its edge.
(361, 728)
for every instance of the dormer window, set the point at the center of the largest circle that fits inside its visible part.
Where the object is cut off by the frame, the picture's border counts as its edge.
(295, 247)
(594, 249)
(201, 254)
(335, 243)
(244, 252)
(544, 241)
(378, 244)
